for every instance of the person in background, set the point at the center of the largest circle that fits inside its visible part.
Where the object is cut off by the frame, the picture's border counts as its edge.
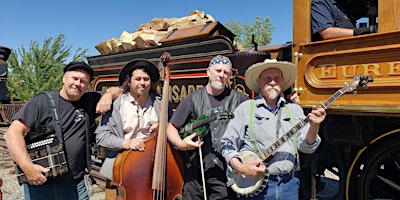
(134, 115)
(4, 93)
(34, 122)
(332, 19)
(272, 117)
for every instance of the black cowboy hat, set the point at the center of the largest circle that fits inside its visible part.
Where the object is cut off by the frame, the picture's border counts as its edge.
(139, 63)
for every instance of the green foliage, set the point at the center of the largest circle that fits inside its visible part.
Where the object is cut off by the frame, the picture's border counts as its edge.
(39, 68)
(261, 29)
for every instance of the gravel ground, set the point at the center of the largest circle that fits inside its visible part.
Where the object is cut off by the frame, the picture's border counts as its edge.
(13, 191)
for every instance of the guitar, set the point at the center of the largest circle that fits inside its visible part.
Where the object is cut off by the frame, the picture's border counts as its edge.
(246, 186)
(198, 124)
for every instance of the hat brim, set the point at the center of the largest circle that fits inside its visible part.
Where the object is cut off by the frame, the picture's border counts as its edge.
(139, 63)
(79, 65)
(289, 72)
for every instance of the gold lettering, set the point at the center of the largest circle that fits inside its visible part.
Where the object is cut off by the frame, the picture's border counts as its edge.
(191, 89)
(328, 71)
(394, 69)
(183, 92)
(374, 69)
(104, 87)
(349, 71)
(175, 93)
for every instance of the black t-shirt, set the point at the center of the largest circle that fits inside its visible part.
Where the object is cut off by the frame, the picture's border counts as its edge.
(73, 125)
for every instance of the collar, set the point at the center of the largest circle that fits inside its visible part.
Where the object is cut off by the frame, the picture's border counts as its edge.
(132, 100)
(260, 102)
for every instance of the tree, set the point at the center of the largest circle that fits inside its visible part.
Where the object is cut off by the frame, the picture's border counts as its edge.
(261, 29)
(39, 68)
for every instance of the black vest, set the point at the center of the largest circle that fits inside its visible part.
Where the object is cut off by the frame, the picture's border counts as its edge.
(212, 141)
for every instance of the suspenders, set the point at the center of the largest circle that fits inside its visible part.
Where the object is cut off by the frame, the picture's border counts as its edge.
(251, 131)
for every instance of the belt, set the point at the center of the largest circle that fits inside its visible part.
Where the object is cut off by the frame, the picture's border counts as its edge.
(284, 178)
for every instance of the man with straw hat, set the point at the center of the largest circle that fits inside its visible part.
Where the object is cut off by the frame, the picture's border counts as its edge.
(270, 117)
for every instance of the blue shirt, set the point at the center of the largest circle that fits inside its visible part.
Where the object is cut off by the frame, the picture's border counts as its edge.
(330, 13)
(236, 137)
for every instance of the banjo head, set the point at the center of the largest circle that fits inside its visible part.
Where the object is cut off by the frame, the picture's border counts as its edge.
(250, 186)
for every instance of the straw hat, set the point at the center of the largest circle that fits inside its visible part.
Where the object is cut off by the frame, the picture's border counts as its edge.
(288, 69)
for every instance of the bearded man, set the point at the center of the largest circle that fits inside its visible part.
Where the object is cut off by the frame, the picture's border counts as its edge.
(213, 99)
(264, 121)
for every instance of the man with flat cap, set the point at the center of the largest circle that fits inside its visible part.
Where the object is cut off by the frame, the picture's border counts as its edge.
(258, 124)
(134, 115)
(65, 117)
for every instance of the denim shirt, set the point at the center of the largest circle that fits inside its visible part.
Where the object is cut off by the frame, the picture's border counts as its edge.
(236, 137)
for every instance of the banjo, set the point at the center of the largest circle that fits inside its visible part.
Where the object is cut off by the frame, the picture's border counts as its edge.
(248, 186)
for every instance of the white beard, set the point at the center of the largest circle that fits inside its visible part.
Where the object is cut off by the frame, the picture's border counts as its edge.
(273, 93)
(217, 85)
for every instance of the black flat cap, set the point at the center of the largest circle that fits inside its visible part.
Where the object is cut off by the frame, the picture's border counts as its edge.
(79, 65)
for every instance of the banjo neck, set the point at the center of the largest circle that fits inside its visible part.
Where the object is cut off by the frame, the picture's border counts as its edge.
(251, 186)
(359, 80)
(264, 155)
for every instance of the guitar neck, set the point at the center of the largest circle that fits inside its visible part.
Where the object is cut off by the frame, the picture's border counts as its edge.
(287, 136)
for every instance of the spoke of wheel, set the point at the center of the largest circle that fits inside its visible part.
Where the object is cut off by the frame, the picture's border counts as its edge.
(389, 182)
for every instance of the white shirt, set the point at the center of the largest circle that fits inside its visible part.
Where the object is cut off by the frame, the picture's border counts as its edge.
(136, 119)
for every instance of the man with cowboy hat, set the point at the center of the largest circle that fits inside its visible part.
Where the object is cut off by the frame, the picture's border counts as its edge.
(260, 122)
(134, 114)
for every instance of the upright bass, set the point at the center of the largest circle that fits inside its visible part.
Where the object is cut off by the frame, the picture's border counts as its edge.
(155, 173)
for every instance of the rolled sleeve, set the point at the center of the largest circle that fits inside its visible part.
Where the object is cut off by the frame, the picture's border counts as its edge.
(233, 137)
(301, 139)
(107, 134)
(322, 15)
(308, 148)
(106, 138)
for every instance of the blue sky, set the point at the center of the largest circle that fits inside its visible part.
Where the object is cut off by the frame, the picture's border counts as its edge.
(86, 23)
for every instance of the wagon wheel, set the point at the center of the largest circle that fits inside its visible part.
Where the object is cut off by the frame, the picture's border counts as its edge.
(375, 174)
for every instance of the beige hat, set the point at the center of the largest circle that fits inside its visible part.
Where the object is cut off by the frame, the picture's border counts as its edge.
(288, 69)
